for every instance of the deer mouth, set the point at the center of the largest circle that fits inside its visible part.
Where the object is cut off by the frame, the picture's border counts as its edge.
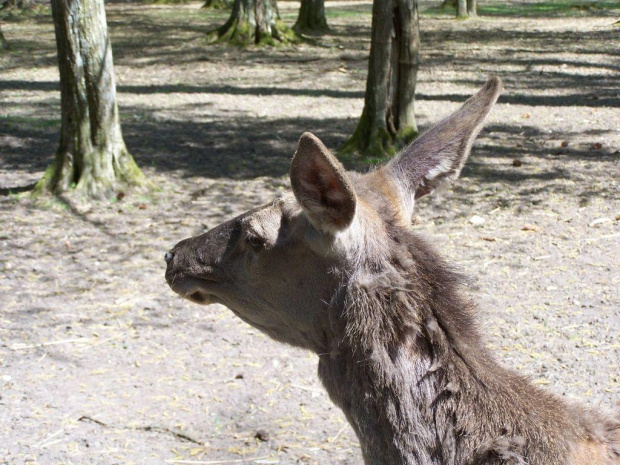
(197, 290)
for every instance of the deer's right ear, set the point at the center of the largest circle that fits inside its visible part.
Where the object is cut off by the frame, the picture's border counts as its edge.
(321, 185)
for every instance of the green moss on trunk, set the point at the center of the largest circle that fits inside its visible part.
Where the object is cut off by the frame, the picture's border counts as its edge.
(370, 142)
(254, 23)
(65, 176)
(242, 34)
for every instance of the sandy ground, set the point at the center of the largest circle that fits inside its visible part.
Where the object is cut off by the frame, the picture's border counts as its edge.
(100, 363)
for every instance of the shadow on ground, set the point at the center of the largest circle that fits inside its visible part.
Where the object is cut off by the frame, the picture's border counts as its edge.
(243, 147)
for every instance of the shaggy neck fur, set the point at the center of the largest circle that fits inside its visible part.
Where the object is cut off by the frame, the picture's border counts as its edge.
(406, 364)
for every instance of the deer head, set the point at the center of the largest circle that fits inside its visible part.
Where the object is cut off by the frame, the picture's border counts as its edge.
(278, 266)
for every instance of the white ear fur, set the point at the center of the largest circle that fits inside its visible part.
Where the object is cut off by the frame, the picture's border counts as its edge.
(321, 185)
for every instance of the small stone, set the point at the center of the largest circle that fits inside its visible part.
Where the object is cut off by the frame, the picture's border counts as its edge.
(477, 220)
(262, 435)
(516, 162)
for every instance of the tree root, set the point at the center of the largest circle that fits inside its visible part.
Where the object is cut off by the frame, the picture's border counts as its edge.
(376, 144)
(241, 33)
(62, 176)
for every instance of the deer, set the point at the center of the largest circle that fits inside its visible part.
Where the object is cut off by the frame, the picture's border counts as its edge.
(336, 268)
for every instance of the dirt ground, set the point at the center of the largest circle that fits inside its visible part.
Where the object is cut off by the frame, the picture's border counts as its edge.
(100, 363)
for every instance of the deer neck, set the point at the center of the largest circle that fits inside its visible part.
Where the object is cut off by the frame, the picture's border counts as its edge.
(417, 390)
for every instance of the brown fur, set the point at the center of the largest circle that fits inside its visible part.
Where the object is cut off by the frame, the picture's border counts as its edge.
(337, 269)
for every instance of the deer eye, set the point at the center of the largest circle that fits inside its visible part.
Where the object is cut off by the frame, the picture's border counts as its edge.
(255, 241)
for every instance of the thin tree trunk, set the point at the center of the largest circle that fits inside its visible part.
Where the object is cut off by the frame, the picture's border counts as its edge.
(21, 5)
(4, 45)
(92, 157)
(254, 22)
(461, 9)
(472, 8)
(217, 4)
(388, 119)
(311, 17)
(403, 101)
(448, 4)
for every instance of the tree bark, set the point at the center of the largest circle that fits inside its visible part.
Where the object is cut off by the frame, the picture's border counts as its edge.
(461, 9)
(472, 8)
(388, 118)
(406, 68)
(21, 5)
(4, 45)
(92, 157)
(217, 4)
(448, 4)
(254, 22)
(311, 17)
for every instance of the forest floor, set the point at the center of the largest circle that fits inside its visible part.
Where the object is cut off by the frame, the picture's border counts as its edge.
(100, 363)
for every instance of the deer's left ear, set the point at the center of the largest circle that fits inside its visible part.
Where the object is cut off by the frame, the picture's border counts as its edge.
(437, 156)
(322, 186)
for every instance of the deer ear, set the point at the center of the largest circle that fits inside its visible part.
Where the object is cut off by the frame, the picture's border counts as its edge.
(321, 185)
(437, 156)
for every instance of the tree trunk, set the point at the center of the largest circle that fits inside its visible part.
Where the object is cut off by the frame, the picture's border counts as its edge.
(448, 4)
(217, 4)
(461, 9)
(311, 17)
(92, 157)
(4, 45)
(254, 22)
(388, 119)
(21, 5)
(472, 8)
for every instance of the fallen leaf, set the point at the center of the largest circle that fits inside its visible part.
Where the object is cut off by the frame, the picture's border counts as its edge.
(564, 144)
(530, 227)
(596, 146)
(488, 239)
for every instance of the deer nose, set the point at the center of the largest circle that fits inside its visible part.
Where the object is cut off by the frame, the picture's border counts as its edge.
(168, 257)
